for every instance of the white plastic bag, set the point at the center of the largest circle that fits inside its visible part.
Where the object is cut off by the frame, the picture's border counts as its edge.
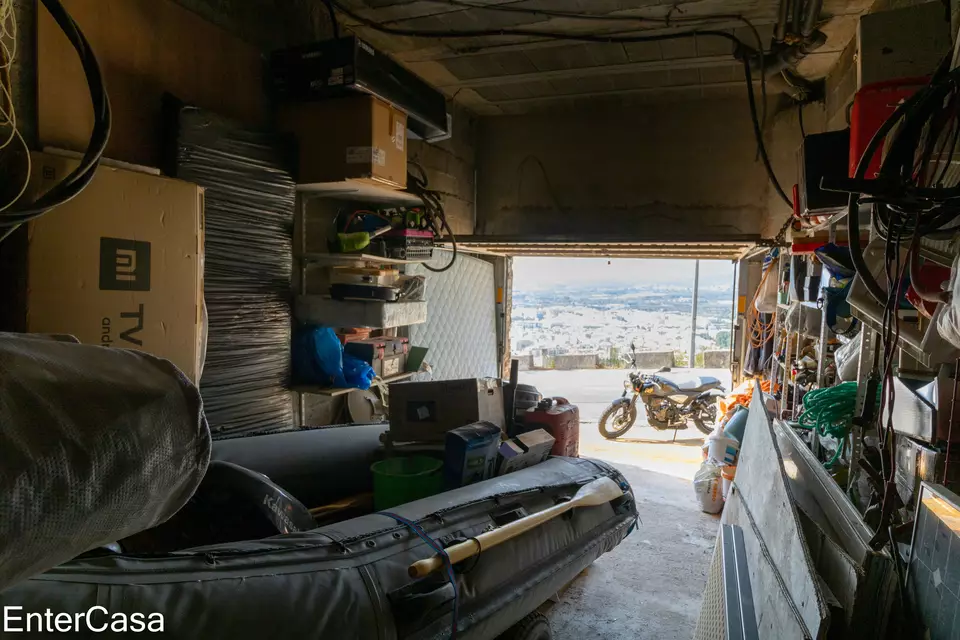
(948, 323)
(847, 359)
(708, 485)
(767, 294)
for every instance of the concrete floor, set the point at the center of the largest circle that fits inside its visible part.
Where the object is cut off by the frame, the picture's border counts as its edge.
(649, 586)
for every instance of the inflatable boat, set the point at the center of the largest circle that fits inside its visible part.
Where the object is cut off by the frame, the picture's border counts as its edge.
(275, 544)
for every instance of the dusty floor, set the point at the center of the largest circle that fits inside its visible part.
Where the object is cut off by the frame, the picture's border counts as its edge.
(649, 586)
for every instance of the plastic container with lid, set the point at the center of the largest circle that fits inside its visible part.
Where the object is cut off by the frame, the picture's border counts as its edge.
(561, 420)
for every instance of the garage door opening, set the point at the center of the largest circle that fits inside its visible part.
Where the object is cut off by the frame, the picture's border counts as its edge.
(585, 313)
(573, 324)
(585, 328)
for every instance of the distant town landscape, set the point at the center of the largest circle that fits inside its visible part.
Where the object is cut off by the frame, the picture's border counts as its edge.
(604, 319)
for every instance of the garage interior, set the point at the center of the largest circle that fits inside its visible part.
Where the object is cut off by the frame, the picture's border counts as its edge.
(292, 224)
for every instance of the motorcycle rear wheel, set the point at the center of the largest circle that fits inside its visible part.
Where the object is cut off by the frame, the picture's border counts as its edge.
(616, 420)
(706, 419)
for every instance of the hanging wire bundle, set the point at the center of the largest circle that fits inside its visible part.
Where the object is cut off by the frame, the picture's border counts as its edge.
(15, 211)
(250, 200)
(915, 195)
(433, 211)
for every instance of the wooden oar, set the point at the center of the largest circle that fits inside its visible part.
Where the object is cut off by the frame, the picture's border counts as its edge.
(598, 492)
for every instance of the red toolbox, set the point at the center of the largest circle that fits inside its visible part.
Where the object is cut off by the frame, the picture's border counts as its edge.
(561, 420)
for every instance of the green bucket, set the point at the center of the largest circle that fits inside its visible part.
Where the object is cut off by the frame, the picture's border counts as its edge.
(401, 480)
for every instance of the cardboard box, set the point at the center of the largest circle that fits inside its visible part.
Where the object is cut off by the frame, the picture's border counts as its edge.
(425, 411)
(121, 264)
(524, 451)
(352, 138)
(470, 454)
(379, 353)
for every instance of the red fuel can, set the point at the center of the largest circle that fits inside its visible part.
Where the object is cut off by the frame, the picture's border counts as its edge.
(561, 420)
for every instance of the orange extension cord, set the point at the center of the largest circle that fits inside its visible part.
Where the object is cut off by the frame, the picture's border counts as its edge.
(760, 330)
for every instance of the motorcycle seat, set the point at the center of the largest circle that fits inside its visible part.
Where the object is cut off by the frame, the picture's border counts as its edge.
(692, 383)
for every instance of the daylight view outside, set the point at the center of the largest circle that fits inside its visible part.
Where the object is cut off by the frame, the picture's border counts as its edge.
(596, 306)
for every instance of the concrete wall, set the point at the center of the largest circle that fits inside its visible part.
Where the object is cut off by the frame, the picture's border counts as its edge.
(450, 166)
(526, 363)
(654, 359)
(572, 361)
(269, 24)
(716, 359)
(657, 171)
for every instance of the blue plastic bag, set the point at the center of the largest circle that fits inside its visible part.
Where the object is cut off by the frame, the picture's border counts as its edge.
(318, 359)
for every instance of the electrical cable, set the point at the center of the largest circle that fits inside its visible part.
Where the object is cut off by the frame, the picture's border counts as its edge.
(758, 133)
(83, 174)
(760, 329)
(740, 48)
(853, 205)
(8, 32)
(901, 195)
(533, 33)
(334, 23)
(432, 209)
(546, 179)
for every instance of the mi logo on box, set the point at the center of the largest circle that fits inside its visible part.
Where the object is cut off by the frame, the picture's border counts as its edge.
(124, 265)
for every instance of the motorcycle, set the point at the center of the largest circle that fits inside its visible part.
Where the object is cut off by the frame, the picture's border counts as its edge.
(670, 401)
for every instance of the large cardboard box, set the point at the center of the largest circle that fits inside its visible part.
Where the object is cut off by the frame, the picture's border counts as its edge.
(120, 265)
(425, 411)
(352, 138)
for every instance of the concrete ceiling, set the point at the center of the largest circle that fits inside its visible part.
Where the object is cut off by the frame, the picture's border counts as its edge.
(517, 74)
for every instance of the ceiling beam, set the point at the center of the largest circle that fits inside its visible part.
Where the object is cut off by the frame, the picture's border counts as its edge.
(682, 88)
(673, 64)
(446, 52)
(574, 253)
(685, 13)
(702, 62)
(689, 240)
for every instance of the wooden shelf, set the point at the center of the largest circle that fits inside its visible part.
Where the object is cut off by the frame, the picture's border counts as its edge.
(334, 391)
(359, 191)
(341, 258)
(371, 314)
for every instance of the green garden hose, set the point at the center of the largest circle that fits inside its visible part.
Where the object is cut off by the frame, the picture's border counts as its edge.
(830, 411)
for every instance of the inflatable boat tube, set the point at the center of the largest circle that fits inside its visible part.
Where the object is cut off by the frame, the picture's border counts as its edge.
(350, 579)
(340, 455)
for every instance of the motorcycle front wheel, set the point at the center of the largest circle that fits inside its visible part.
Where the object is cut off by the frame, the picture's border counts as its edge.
(616, 420)
(706, 419)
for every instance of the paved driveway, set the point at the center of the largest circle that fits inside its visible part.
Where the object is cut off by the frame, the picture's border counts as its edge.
(650, 586)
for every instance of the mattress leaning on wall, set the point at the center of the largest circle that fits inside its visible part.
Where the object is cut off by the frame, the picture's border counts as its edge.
(250, 199)
(461, 326)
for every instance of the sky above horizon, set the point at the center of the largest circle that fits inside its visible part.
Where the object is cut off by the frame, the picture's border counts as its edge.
(534, 274)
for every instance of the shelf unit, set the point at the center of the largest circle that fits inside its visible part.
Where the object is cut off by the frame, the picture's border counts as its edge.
(341, 391)
(369, 314)
(341, 258)
(322, 309)
(357, 190)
